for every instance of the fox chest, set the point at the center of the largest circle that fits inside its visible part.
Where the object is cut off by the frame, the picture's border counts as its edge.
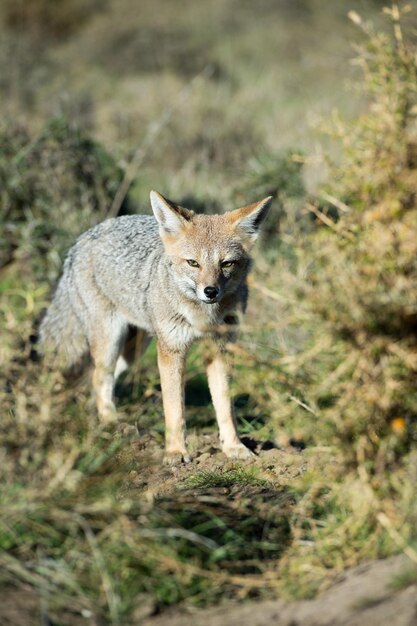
(184, 327)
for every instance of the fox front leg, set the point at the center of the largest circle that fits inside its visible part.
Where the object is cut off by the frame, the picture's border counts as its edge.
(171, 369)
(217, 375)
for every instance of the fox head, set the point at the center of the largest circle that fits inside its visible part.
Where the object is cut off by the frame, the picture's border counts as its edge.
(209, 254)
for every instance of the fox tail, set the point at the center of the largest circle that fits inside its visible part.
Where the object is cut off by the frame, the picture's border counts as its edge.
(62, 339)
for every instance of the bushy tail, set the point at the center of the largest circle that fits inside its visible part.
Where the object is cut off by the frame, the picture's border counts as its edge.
(62, 339)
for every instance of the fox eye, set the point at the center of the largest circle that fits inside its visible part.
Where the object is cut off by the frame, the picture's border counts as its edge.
(192, 263)
(227, 264)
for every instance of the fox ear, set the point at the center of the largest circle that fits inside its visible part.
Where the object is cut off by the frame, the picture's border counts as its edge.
(249, 218)
(170, 216)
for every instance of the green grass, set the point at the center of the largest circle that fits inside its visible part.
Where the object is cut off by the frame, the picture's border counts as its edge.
(405, 579)
(235, 477)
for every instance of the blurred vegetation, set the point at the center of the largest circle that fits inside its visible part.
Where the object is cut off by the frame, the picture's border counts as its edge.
(357, 281)
(45, 19)
(324, 379)
(364, 283)
(54, 185)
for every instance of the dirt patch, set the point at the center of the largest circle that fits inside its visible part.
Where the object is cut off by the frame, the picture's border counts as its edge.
(280, 466)
(23, 606)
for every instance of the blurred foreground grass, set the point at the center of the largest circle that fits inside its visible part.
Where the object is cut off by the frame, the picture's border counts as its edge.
(326, 362)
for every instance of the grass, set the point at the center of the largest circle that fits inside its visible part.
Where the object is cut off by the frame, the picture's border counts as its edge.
(238, 477)
(405, 579)
(326, 357)
(368, 603)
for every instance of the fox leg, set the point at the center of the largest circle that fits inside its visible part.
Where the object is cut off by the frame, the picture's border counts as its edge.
(135, 345)
(171, 369)
(106, 346)
(217, 375)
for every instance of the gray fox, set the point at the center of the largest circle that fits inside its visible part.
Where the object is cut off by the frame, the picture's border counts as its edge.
(178, 277)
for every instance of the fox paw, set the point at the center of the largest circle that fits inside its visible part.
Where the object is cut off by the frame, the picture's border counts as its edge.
(108, 413)
(176, 458)
(238, 451)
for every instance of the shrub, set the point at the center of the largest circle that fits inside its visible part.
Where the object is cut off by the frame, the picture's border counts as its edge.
(54, 185)
(364, 284)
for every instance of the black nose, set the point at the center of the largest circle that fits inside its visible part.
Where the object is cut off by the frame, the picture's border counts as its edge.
(211, 292)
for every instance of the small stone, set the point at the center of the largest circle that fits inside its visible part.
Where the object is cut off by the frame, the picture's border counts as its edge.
(204, 457)
(145, 607)
(126, 430)
(209, 449)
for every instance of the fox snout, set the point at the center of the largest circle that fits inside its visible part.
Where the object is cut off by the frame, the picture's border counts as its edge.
(210, 294)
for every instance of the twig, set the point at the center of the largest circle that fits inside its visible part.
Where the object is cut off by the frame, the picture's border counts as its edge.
(265, 291)
(179, 532)
(336, 202)
(302, 404)
(397, 538)
(330, 223)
